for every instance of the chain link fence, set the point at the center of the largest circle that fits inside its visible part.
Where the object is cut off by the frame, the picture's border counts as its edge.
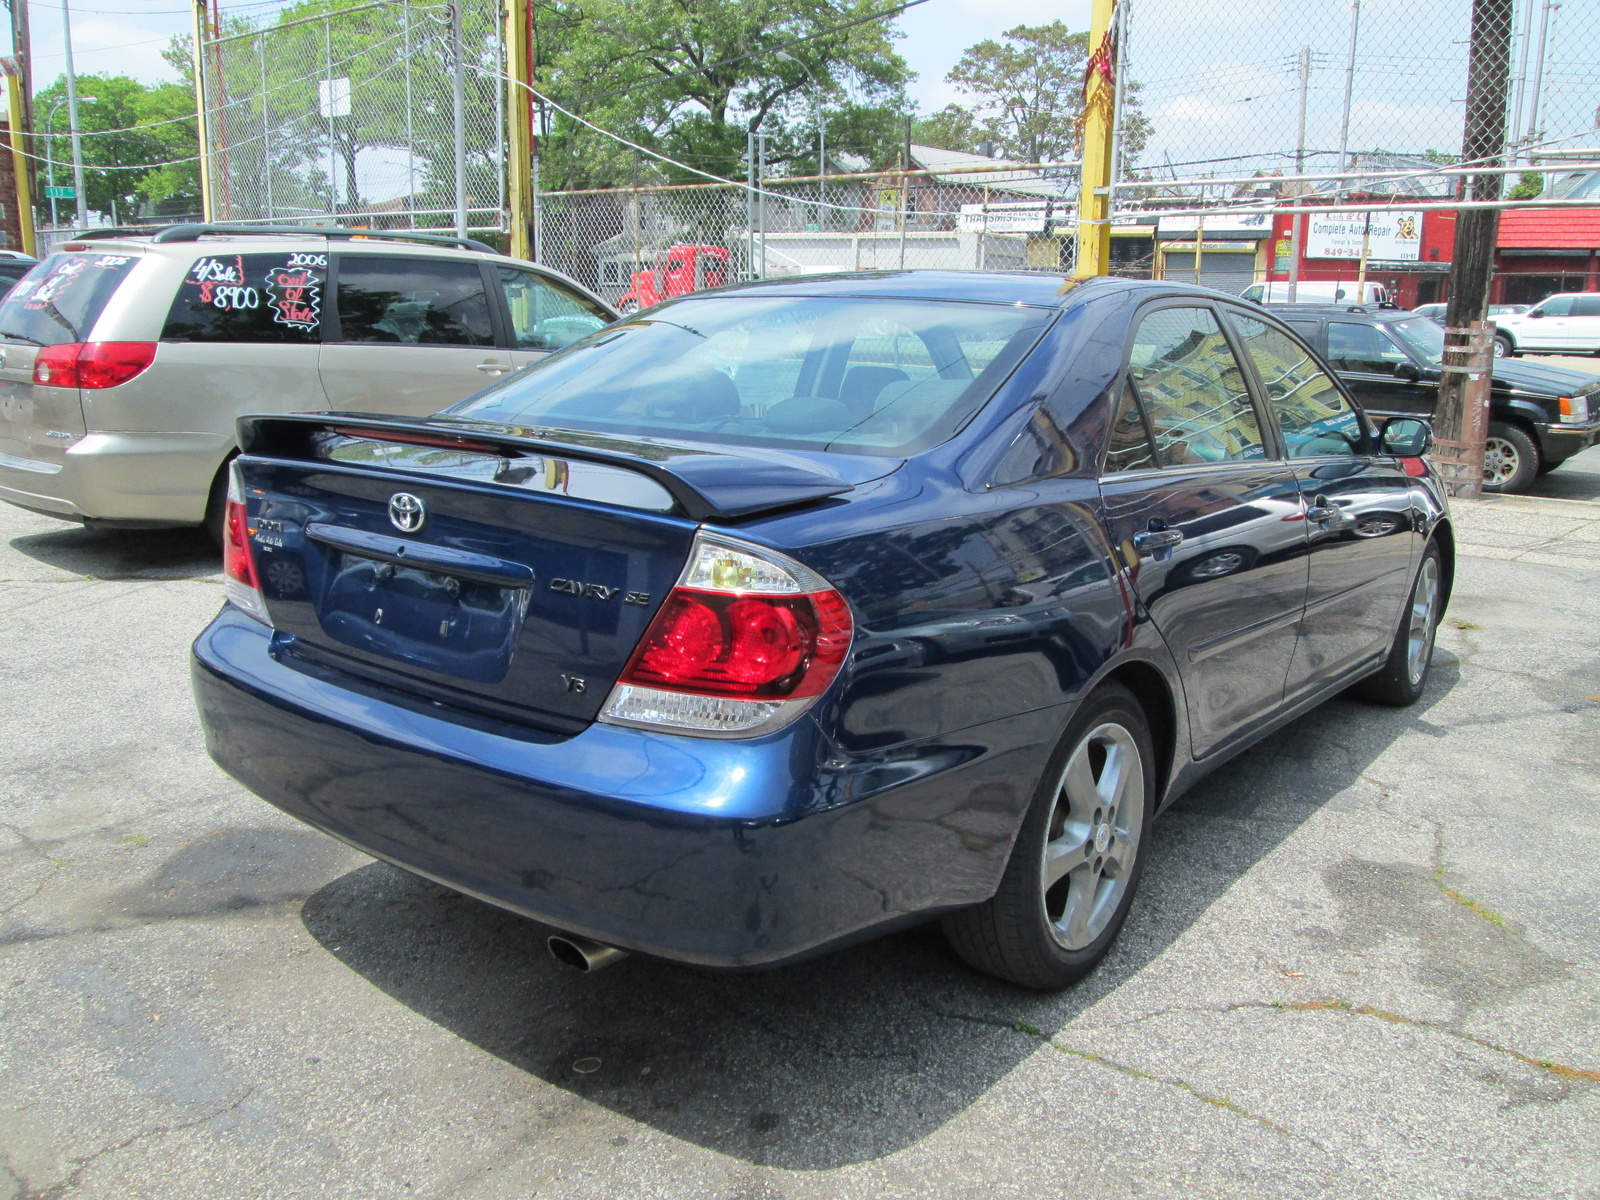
(386, 113)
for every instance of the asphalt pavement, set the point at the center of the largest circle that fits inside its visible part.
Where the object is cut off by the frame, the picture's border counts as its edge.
(1365, 962)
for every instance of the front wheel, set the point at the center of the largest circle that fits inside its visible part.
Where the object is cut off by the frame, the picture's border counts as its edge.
(1077, 860)
(1405, 672)
(1503, 347)
(1510, 459)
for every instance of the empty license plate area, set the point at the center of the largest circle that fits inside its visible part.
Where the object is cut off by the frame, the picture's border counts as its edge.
(458, 626)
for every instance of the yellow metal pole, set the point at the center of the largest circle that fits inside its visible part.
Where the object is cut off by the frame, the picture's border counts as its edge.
(201, 121)
(19, 161)
(519, 121)
(1094, 197)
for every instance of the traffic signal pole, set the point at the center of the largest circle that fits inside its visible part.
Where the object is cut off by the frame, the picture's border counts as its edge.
(1094, 195)
(1461, 421)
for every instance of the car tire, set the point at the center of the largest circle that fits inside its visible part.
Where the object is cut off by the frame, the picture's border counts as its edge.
(1510, 459)
(1504, 347)
(1048, 935)
(1399, 683)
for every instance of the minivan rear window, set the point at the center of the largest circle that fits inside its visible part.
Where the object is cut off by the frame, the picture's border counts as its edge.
(856, 375)
(250, 298)
(62, 297)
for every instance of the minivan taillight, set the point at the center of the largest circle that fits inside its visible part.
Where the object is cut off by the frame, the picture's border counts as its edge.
(746, 642)
(92, 365)
(240, 583)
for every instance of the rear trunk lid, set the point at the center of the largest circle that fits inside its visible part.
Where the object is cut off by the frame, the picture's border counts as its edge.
(493, 570)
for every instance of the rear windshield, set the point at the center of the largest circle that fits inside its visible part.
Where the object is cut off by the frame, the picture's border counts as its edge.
(62, 297)
(857, 375)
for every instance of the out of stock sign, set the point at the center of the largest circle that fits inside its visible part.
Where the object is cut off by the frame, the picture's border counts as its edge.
(1392, 236)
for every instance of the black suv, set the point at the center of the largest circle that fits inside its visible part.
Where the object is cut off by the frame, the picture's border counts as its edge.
(1539, 416)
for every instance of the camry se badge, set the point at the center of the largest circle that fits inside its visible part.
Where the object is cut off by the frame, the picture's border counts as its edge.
(407, 513)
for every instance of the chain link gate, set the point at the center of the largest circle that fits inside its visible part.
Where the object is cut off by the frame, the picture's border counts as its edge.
(351, 115)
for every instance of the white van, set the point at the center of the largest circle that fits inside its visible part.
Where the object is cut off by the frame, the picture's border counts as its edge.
(1317, 291)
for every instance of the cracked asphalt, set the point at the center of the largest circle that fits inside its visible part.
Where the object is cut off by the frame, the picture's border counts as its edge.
(1365, 962)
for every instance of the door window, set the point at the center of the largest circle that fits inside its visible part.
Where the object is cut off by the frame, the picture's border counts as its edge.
(1364, 348)
(420, 302)
(1556, 306)
(250, 298)
(1315, 418)
(1183, 372)
(545, 315)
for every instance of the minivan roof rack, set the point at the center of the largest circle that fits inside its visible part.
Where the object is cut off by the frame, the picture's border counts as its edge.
(194, 232)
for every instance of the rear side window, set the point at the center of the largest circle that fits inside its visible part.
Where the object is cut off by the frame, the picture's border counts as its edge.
(1586, 306)
(1185, 376)
(62, 297)
(413, 301)
(250, 298)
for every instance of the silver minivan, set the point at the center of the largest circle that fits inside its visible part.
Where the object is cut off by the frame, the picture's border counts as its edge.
(125, 360)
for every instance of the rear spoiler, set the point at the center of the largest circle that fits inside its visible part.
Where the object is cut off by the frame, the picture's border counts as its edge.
(708, 483)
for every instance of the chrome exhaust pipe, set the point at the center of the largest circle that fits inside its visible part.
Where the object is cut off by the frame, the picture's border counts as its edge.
(581, 953)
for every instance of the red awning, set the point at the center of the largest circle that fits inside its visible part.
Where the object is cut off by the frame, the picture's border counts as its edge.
(1549, 229)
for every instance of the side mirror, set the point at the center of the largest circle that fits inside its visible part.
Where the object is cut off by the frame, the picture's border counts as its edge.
(1407, 437)
(1407, 371)
(1536, 312)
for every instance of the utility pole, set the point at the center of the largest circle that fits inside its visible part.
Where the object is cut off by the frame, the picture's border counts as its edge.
(1349, 93)
(202, 117)
(72, 118)
(1297, 238)
(14, 71)
(1094, 192)
(22, 49)
(519, 121)
(458, 104)
(1462, 417)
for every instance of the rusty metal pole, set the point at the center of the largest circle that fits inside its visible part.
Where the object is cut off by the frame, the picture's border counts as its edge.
(1468, 370)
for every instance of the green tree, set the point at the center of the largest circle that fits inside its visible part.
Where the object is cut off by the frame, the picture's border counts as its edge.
(1529, 187)
(124, 128)
(1026, 92)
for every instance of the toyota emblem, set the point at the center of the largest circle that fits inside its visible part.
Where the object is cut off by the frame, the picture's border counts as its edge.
(407, 513)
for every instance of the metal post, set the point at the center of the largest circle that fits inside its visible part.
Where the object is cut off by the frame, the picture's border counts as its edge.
(1199, 242)
(1297, 237)
(72, 118)
(202, 118)
(16, 114)
(1538, 71)
(750, 201)
(458, 103)
(1522, 79)
(50, 162)
(761, 196)
(905, 215)
(1361, 269)
(1349, 91)
(822, 169)
(266, 129)
(1094, 192)
(538, 216)
(411, 133)
(1119, 42)
(333, 146)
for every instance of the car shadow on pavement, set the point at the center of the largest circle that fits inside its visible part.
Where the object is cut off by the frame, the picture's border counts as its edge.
(850, 1056)
(123, 553)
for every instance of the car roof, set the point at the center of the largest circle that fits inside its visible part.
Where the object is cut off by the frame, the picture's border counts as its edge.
(1050, 289)
(182, 239)
(1344, 311)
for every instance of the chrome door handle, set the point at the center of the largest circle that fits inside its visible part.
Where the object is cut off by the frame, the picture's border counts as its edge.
(494, 368)
(1156, 539)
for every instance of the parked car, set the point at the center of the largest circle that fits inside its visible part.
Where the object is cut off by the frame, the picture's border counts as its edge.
(1566, 323)
(777, 617)
(1539, 416)
(13, 266)
(127, 359)
(1317, 291)
(1435, 312)
(682, 269)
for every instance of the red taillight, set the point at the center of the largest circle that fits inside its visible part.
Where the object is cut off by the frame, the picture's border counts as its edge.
(725, 644)
(240, 582)
(741, 646)
(93, 365)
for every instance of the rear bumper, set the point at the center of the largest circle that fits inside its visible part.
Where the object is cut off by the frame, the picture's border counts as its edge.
(728, 854)
(120, 478)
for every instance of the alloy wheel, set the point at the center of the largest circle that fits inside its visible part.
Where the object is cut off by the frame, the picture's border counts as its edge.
(1093, 836)
(1424, 609)
(1501, 461)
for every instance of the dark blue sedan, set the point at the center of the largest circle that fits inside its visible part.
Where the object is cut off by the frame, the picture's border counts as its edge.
(779, 616)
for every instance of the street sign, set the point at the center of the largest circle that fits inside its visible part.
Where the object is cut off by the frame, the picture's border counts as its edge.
(60, 193)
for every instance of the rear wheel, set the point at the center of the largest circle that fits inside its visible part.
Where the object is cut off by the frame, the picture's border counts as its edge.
(1405, 671)
(1077, 859)
(1510, 459)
